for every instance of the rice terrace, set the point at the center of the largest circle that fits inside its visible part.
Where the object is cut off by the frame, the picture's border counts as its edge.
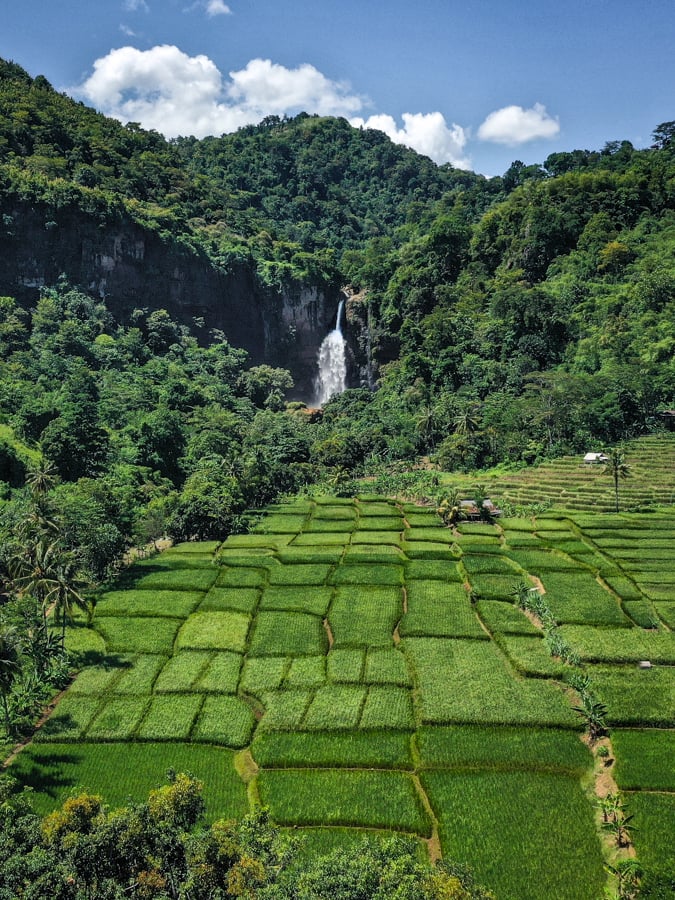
(359, 668)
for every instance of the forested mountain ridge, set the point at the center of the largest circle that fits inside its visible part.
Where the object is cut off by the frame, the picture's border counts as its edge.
(507, 319)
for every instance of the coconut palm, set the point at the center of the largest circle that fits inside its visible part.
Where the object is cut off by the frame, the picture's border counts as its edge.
(618, 468)
(50, 575)
(10, 666)
(65, 591)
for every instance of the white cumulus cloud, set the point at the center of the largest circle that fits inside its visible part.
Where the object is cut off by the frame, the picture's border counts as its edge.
(273, 89)
(165, 89)
(514, 125)
(427, 133)
(217, 8)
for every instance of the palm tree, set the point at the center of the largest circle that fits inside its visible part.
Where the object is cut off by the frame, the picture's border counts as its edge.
(49, 574)
(10, 665)
(618, 468)
(65, 592)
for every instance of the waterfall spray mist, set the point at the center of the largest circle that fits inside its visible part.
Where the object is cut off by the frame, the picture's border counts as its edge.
(332, 376)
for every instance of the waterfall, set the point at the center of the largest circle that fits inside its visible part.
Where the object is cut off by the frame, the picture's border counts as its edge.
(332, 376)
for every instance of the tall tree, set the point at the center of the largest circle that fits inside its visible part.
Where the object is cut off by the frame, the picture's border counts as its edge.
(618, 468)
(10, 666)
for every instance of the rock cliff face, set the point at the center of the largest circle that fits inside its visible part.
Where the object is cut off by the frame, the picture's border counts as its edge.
(134, 267)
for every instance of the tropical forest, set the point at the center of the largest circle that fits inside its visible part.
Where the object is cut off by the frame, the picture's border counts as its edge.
(336, 514)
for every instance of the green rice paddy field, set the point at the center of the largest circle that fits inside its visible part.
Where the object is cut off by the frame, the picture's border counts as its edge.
(359, 669)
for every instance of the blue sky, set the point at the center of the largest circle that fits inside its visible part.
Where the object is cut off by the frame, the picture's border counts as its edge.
(478, 83)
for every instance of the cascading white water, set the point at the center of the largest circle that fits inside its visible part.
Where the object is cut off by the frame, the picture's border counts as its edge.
(332, 377)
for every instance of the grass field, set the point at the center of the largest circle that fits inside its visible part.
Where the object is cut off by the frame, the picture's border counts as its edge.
(367, 656)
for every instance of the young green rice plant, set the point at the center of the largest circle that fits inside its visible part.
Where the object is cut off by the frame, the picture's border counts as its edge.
(490, 563)
(287, 634)
(177, 580)
(493, 587)
(427, 519)
(378, 510)
(368, 553)
(335, 512)
(307, 599)
(221, 675)
(516, 524)
(509, 842)
(538, 562)
(378, 539)
(379, 523)
(256, 541)
(368, 574)
(620, 645)
(311, 555)
(101, 678)
(224, 720)
(386, 666)
(652, 837)
(169, 718)
(195, 547)
(262, 674)
(135, 634)
(531, 655)
(423, 550)
(218, 599)
(504, 618)
(384, 799)
(665, 610)
(306, 672)
(480, 528)
(118, 718)
(580, 599)
(643, 757)
(126, 770)
(438, 535)
(503, 748)
(285, 710)
(644, 614)
(521, 540)
(300, 574)
(345, 665)
(321, 539)
(440, 610)
(280, 524)
(432, 569)
(335, 706)
(388, 707)
(214, 631)
(479, 543)
(168, 560)
(316, 749)
(660, 593)
(182, 671)
(319, 526)
(70, 719)
(636, 697)
(443, 668)
(365, 616)
(140, 676)
(173, 604)
(624, 587)
(240, 577)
